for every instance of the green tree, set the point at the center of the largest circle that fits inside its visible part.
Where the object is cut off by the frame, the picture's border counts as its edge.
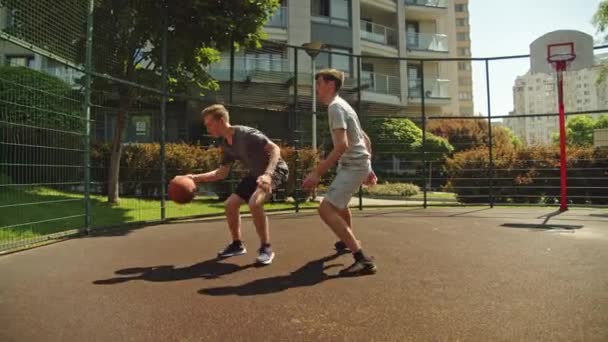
(402, 136)
(465, 134)
(579, 131)
(600, 20)
(127, 44)
(602, 122)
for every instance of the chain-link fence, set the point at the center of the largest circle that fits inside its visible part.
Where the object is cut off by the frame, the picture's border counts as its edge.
(95, 119)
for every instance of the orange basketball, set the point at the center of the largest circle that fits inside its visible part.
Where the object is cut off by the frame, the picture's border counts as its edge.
(181, 190)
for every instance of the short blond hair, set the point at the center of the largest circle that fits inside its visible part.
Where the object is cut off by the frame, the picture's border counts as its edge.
(334, 75)
(217, 111)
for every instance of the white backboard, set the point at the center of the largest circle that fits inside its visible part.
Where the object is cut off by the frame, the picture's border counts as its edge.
(583, 49)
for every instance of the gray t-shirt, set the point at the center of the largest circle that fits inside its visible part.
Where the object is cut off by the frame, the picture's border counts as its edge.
(248, 146)
(342, 115)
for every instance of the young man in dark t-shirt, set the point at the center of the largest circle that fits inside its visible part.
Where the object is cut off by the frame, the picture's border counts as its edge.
(267, 170)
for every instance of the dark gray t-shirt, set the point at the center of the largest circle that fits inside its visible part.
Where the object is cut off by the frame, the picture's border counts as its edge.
(248, 146)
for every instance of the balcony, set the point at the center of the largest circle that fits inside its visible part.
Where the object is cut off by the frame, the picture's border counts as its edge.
(389, 6)
(427, 3)
(316, 18)
(278, 19)
(261, 69)
(435, 88)
(378, 33)
(432, 42)
(380, 83)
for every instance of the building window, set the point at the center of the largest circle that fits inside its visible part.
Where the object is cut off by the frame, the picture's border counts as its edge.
(464, 51)
(12, 19)
(461, 22)
(464, 66)
(264, 60)
(334, 12)
(20, 60)
(465, 95)
(337, 61)
(460, 7)
(462, 36)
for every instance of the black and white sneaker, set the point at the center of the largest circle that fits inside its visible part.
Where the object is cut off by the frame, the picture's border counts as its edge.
(233, 249)
(265, 255)
(360, 267)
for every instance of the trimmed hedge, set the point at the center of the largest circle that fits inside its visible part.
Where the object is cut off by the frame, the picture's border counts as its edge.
(140, 166)
(529, 175)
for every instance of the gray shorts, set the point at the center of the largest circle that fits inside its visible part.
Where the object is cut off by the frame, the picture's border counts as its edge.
(349, 177)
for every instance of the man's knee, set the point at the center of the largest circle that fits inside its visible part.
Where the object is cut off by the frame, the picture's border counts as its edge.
(326, 208)
(257, 200)
(232, 204)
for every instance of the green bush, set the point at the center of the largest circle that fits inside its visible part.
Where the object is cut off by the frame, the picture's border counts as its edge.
(41, 127)
(392, 189)
(469, 170)
(140, 166)
(529, 175)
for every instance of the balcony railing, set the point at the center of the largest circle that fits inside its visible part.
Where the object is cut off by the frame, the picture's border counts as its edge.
(279, 18)
(435, 88)
(428, 3)
(378, 33)
(381, 84)
(246, 67)
(330, 20)
(427, 41)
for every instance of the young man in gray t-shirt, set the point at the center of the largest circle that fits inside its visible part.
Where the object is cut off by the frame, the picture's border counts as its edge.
(267, 170)
(352, 152)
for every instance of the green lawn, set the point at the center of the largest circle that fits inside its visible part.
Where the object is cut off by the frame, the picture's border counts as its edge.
(42, 211)
(435, 196)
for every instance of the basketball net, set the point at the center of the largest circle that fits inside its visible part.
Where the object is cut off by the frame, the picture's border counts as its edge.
(560, 62)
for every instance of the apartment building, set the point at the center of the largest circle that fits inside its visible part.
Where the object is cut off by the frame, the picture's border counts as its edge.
(536, 93)
(381, 31)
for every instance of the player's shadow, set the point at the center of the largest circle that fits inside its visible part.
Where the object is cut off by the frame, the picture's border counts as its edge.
(209, 269)
(310, 274)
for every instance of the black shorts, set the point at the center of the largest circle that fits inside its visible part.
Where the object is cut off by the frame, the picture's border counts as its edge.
(249, 183)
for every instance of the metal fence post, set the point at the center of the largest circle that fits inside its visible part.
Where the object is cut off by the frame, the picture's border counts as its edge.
(231, 69)
(423, 104)
(87, 116)
(360, 117)
(296, 139)
(491, 170)
(163, 113)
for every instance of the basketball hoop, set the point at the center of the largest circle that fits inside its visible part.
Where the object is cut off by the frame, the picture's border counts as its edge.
(560, 55)
(561, 61)
(554, 52)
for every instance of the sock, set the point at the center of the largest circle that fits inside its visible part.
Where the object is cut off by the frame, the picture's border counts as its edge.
(266, 246)
(237, 242)
(359, 256)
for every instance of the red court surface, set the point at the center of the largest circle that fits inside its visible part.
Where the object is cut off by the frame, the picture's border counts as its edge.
(445, 274)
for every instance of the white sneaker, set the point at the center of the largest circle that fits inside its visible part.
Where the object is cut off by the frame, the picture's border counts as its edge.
(265, 255)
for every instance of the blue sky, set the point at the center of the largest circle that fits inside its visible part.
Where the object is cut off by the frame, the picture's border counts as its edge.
(502, 28)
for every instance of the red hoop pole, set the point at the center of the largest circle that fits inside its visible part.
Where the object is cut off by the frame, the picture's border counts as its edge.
(560, 67)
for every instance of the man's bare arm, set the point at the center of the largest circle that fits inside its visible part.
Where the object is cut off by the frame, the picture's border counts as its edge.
(340, 141)
(212, 176)
(274, 154)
